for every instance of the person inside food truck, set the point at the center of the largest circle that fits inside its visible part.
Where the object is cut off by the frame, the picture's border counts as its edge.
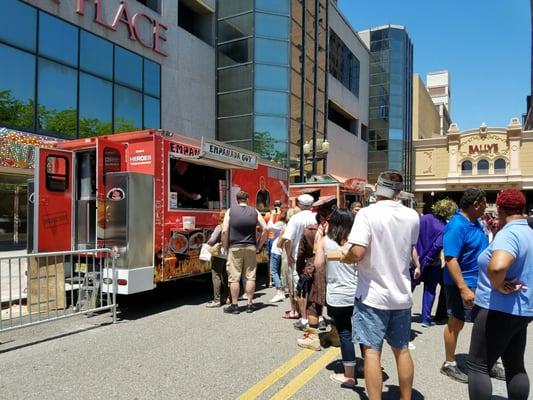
(181, 180)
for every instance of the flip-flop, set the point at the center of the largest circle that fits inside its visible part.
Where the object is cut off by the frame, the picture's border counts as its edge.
(344, 382)
(287, 315)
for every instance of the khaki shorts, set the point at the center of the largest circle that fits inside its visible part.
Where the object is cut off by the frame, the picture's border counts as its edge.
(241, 260)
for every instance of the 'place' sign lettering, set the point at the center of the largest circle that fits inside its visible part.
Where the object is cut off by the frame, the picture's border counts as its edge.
(133, 22)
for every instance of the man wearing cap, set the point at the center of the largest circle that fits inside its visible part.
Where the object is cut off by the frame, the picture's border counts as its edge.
(292, 235)
(381, 242)
(312, 283)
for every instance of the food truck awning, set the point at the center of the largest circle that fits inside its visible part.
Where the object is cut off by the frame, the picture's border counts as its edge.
(221, 155)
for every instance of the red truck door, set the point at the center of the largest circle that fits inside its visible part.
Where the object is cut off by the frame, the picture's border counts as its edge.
(53, 200)
(110, 157)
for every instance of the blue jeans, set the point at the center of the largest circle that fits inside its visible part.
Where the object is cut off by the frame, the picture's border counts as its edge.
(343, 321)
(275, 269)
(371, 326)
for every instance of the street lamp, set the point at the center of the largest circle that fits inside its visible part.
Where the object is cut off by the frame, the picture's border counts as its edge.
(432, 198)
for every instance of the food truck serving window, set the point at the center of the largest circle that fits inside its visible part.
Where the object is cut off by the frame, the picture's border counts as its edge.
(56, 173)
(194, 186)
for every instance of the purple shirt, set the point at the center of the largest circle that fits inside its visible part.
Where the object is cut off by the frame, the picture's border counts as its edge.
(429, 242)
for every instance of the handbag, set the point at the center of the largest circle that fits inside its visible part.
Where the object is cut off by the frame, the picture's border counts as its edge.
(205, 252)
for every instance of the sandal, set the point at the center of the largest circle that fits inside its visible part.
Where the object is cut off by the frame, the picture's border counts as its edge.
(344, 382)
(290, 315)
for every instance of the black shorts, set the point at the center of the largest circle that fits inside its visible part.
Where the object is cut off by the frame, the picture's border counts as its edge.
(455, 305)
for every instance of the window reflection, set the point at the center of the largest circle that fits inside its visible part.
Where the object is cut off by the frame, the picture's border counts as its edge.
(271, 102)
(57, 98)
(235, 78)
(152, 118)
(272, 77)
(152, 78)
(271, 25)
(277, 6)
(58, 39)
(271, 127)
(270, 149)
(238, 52)
(17, 87)
(237, 103)
(96, 101)
(237, 128)
(128, 109)
(128, 68)
(235, 27)
(226, 8)
(17, 24)
(96, 55)
(271, 51)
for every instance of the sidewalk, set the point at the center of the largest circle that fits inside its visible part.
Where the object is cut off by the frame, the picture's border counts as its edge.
(18, 283)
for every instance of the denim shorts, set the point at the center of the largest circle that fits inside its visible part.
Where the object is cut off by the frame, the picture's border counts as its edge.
(371, 326)
(455, 305)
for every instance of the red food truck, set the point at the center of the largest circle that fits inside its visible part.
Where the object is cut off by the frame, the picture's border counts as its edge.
(153, 195)
(347, 190)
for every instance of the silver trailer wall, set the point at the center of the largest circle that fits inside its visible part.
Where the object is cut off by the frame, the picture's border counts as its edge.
(129, 221)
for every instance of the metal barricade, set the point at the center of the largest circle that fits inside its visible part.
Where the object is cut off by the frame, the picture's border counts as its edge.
(43, 287)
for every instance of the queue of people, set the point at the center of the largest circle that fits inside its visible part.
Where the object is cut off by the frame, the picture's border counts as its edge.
(361, 265)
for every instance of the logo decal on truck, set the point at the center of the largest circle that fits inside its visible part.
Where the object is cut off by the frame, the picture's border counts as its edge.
(116, 194)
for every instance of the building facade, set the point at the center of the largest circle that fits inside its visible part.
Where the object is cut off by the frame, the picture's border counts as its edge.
(348, 94)
(426, 118)
(390, 112)
(486, 158)
(438, 86)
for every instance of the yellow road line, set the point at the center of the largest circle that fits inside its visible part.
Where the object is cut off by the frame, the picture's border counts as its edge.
(297, 383)
(276, 375)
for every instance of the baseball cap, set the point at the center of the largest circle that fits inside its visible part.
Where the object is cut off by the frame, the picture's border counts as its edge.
(326, 202)
(305, 200)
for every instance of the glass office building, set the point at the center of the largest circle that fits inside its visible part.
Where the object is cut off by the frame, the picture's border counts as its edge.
(390, 144)
(60, 80)
(253, 75)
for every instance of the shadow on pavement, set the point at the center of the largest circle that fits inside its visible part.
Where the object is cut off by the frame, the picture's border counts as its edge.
(393, 393)
(182, 292)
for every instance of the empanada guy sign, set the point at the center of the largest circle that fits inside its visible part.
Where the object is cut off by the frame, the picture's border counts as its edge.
(142, 28)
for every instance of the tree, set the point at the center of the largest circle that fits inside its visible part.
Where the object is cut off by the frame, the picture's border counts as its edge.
(265, 146)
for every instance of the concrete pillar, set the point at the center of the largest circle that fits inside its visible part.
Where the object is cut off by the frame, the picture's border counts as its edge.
(453, 150)
(514, 137)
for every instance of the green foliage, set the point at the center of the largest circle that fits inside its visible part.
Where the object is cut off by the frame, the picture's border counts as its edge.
(265, 146)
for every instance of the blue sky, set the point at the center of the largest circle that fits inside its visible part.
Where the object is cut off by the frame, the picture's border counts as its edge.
(485, 44)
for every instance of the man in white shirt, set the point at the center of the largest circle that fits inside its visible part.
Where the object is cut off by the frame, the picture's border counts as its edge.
(291, 239)
(381, 243)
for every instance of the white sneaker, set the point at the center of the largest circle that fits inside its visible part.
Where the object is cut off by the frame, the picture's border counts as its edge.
(244, 296)
(276, 298)
(411, 346)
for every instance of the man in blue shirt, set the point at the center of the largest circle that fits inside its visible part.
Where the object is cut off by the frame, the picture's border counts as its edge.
(463, 241)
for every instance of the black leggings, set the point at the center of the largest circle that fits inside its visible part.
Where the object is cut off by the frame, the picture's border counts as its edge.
(496, 334)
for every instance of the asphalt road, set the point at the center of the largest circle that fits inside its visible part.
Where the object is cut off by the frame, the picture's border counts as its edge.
(168, 345)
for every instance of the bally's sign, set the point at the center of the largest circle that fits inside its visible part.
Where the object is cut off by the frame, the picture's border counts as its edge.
(220, 152)
(483, 148)
(134, 22)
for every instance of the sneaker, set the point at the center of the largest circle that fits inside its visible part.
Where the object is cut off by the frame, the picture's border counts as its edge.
(277, 298)
(310, 340)
(322, 325)
(497, 371)
(244, 296)
(411, 346)
(250, 308)
(427, 324)
(232, 309)
(213, 304)
(300, 325)
(454, 372)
